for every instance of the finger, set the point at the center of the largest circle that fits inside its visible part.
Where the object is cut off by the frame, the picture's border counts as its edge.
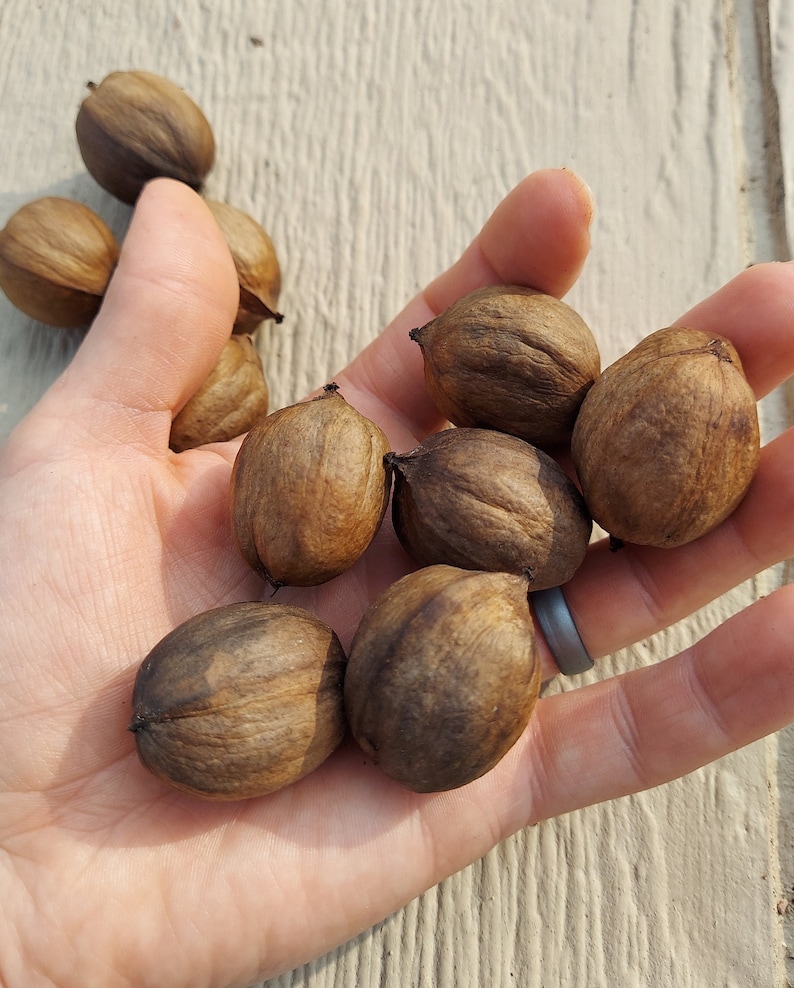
(652, 725)
(584, 746)
(168, 310)
(537, 236)
(755, 311)
(618, 598)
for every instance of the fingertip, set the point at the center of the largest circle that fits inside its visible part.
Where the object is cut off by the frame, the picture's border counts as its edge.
(550, 213)
(585, 197)
(538, 236)
(755, 311)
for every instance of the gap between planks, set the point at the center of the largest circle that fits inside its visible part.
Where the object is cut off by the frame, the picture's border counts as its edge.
(761, 200)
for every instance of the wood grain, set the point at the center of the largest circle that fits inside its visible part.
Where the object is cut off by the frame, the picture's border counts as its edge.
(372, 142)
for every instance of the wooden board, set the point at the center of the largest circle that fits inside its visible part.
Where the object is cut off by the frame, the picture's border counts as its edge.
(372, 141)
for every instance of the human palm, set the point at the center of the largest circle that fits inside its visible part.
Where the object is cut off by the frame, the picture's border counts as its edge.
(107, 876)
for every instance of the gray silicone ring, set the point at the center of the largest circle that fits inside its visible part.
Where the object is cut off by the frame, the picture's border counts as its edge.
(557, 625)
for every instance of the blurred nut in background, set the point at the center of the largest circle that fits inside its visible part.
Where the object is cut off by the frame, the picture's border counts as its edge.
(56, 259)
(233, 397)
(136, 126)
(257, 265)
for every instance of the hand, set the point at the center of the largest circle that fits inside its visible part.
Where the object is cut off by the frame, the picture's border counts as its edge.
(109, 540)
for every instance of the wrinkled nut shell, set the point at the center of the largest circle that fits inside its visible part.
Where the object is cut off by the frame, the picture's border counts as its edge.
(309, 490)
(232, 398)
(56, 259)
(136, 126)
(512, 359)
(480, 499)
(240, 701)
(443, 676)
(667, 441)
(256, 262)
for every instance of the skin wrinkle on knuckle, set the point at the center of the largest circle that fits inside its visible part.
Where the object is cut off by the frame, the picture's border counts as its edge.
(541, 774)
(713, 728)
(651, 596)
(743, 547)
(180, 294)
(638, 772)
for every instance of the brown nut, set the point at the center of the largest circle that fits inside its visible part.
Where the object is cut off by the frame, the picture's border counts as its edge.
(667, 441)
(56, 259)
(512, 359)
(309, 490)
(484, 500)
(136, 126)
(443, 676)
(233, 397)
(240, 701)
(258, 269)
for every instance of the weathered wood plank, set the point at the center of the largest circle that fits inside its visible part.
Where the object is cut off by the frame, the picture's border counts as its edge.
(372, 142)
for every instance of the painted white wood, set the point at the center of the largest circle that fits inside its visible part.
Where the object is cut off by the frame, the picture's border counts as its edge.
(372, 141)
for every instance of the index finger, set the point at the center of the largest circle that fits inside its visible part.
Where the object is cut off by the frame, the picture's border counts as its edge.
(537, 236)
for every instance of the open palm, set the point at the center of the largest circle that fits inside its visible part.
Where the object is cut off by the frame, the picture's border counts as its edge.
(107, 876)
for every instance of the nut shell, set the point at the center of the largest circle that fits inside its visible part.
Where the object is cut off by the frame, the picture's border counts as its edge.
(309, 490)
(232, 398)
(443, 676)
(240, 701)
(484, 500)
(258, 269)
(512, 359)
(667, 441)
(135, 126)
(56, 259)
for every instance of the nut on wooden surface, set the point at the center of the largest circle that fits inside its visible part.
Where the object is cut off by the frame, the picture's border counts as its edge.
(256, 263)
(135, 126)
(56, 259)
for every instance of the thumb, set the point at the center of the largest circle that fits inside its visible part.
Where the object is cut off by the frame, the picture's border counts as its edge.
(168, 310)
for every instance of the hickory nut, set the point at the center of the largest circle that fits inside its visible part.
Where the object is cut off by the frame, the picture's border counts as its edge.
(667, 441)
(258, 269)
(480, 499)
(231, 399)
(443, 676)
(56, 259)
(309, 490)
(511, 359)
(136, 126)
(240, 701)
